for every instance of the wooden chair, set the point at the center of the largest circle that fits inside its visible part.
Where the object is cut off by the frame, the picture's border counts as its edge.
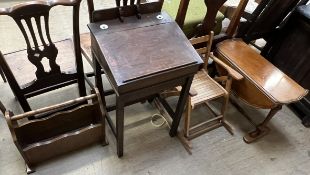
(64, 57)
(41, 139)
(204, 88)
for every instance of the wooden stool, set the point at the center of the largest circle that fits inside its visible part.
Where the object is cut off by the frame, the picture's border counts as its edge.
(264, 85)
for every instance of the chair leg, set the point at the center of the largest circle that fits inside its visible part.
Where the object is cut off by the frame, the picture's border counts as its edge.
(261, 129)
(225, 104)
(226, 125)
(24, 103)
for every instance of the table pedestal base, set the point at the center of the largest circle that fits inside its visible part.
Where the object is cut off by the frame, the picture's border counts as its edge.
(260, 132)
(261, 129)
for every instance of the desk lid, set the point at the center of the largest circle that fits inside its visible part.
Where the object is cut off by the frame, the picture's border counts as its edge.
(145, 49)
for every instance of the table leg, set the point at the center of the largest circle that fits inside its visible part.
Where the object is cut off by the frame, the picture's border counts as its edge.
(119, 126)
(261, 129)
(180, 106)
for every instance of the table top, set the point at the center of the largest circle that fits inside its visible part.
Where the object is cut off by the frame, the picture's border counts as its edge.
(264, 75)
(150, 50)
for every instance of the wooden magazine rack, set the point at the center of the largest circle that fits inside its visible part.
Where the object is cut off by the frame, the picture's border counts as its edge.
(40, 139)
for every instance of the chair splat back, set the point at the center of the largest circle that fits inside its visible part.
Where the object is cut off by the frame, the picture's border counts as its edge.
(28, 80)
(36, 53)
(124, 9)
(213, 7)
(125, 2)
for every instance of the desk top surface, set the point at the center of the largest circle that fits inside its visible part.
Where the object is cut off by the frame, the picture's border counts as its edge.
(268, 78)
(142, 48)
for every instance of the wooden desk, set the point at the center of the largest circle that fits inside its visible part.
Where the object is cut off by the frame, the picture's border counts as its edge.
(142, 57)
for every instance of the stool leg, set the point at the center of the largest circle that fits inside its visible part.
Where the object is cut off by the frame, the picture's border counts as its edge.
(261, 129)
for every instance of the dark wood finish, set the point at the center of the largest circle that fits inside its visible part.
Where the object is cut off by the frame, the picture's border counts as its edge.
(263, 86)
(38, 79)
(141, 59)
(289, 51)
(86, 49)
(127, 11)
(268, 15)
(180, 18)
(2, 75)
(119, 12)
(41, 139)
(2, 108)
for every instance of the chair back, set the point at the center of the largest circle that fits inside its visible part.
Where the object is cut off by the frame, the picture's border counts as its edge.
(125, 9)
(203, 46)
(208, 24)
(266, 18)
(32, 18)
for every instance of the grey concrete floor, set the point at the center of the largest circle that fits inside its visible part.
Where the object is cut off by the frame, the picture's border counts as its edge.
(150, 150)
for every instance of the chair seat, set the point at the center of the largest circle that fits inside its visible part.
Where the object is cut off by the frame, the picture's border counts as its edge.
(24, 71)
(85, 44)
(206, 88)
(195, 14)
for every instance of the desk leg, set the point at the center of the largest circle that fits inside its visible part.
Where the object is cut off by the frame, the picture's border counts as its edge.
(180, 106)
(119, 125)
(98, 79)
(2, 75)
